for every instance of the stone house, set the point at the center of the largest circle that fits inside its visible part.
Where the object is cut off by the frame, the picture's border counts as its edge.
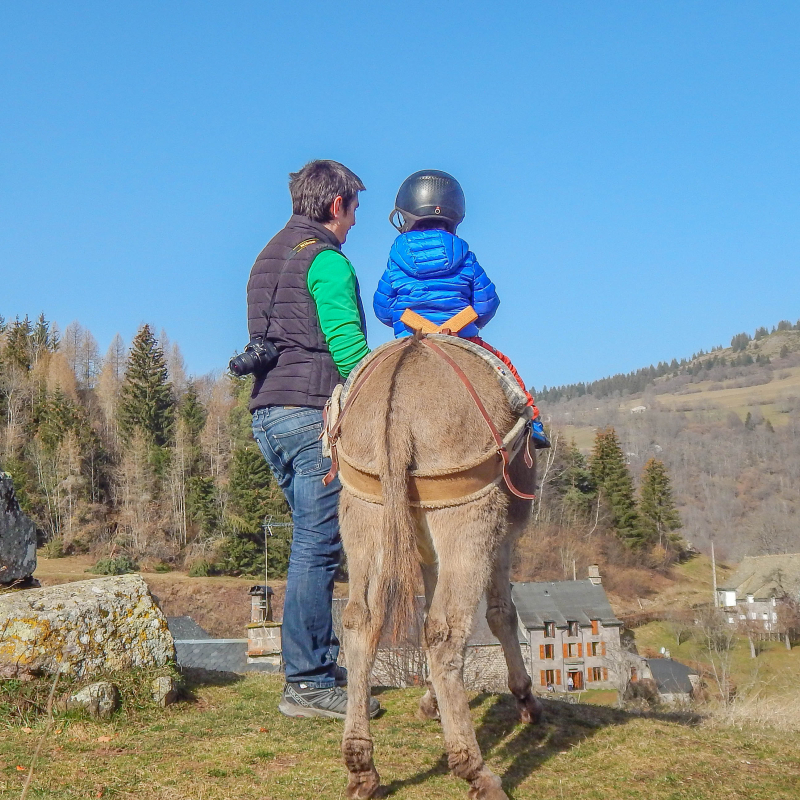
(573, 635)
(751, 593)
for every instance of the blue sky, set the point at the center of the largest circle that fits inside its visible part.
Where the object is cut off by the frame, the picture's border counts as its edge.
(631, 169)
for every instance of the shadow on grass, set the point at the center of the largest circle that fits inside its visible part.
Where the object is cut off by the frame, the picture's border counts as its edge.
(527, 747)
(193, 678)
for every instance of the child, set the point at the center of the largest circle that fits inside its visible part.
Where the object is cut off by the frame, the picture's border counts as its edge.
(433, 272)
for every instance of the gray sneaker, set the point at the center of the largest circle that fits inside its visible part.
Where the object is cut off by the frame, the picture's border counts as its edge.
(301, 700)
(340, 674)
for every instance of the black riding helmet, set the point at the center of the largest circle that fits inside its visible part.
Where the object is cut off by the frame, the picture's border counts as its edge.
(429, 194)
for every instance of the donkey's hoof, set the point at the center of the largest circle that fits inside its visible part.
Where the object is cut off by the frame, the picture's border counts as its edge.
(487, 787)
(364, 785)
(530, 710)
(428, 707)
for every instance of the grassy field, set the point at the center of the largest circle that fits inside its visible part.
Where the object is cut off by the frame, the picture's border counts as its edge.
(230, 742)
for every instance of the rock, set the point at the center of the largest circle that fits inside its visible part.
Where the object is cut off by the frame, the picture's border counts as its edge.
(86, 628)
(17, 536)
(100, 699)
(165, 691)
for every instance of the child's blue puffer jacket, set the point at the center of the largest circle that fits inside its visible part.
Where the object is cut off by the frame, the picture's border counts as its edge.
(435, 274)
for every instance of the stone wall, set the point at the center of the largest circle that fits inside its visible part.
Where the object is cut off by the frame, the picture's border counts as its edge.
(85, 628)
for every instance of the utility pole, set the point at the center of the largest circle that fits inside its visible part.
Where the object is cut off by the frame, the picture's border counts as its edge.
(714, 574)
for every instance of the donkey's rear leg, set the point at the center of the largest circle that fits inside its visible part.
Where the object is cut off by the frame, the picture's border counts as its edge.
(465, 539)
(362, 621)
(501, 614)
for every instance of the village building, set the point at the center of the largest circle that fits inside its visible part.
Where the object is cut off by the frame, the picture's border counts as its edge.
(572, 633)
(751, 594)
(674, 682)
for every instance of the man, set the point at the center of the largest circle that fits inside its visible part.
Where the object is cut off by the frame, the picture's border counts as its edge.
(303, 296)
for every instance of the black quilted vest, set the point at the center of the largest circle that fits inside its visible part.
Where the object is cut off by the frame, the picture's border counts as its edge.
(304, 374)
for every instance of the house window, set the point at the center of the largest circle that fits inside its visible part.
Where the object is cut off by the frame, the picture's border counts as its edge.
(595, 627)
(573, 650)
(634, 674)
(731, 620)
(549, 651)
(593, 648)
(596, 674)
(550, 630)
(550, 677)
(750, 598)
(572, 629)
(742, 616)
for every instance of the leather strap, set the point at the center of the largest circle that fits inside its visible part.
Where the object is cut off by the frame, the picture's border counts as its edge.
(501, 447)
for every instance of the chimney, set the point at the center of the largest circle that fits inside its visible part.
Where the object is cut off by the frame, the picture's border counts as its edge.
(594, 574)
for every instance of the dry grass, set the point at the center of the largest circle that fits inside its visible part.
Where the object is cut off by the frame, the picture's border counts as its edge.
(779, 712)
(230, 742)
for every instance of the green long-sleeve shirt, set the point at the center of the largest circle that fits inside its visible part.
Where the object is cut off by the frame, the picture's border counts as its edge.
(332, 283)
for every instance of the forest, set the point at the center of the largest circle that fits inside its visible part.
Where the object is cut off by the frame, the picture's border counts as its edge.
(124, 456)
(727, 427)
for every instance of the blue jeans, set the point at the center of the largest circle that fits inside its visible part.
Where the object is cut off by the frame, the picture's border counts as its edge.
(289, 441)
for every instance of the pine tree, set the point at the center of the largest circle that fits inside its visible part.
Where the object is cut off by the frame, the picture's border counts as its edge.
(613, 480)
(146, 403)
(253, 496)
(18, 351)
(574, 483)
(657, 510)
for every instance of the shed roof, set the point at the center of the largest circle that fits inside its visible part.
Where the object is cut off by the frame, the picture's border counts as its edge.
(765, 576)
(562, 602)
(671, 677)
(186, 628)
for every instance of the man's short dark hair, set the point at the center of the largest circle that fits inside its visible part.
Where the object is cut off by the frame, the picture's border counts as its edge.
(318, 184)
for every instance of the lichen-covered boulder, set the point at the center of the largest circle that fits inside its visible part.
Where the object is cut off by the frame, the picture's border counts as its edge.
(17, 536)
(85, 628)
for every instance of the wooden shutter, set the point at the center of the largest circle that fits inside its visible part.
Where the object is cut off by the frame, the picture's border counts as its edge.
(544, 678)
(602, 648)
(566, 650)
(541, 652)
(588, 676)
(605, 673)
(580, 650)
(594, 627)
(558, 677)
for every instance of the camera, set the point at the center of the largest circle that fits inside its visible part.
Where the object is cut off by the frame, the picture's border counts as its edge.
(258, 357)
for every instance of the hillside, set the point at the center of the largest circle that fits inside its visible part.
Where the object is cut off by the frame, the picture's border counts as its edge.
(231, 742)
(727, 426)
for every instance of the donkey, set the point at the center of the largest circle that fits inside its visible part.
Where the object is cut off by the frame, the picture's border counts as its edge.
(414, 413)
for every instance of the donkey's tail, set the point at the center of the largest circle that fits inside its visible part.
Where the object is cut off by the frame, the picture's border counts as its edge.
(398, 570)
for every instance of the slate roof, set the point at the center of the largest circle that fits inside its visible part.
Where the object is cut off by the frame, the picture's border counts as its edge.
(765, 576)
(671, 677)
(194, 647)
(221, 655)
(186, 628)
(562, 602)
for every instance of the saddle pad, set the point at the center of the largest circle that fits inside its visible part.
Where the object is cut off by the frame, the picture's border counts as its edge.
(512, 390)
